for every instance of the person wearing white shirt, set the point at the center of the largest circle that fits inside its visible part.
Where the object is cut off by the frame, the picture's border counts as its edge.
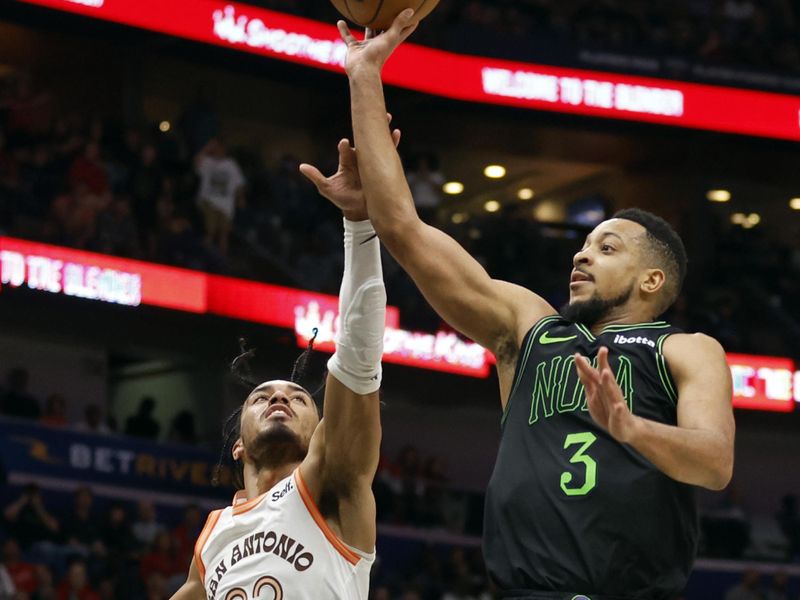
(221, 186)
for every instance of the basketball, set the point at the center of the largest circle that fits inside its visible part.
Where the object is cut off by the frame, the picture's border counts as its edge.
(379, 14)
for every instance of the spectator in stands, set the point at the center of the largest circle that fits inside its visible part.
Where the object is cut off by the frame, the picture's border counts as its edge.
(7, 589)
(22, 573)
(182, 429)
(44, 582)
(778, 588)
(55, 411)
(93, 421)
(145, 186)
(75, 585)
(146, 527)
(28, 520)
(221, 189)
(16, 401)
(747, 589)
(116, 533)
(185, 534)
(789, 521)
(88, 172)
(142, 424)
(81, 531)
(163, 559)
(116, 231)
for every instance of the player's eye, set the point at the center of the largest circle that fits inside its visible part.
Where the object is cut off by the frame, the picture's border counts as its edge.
(606, 248)
(300, 398)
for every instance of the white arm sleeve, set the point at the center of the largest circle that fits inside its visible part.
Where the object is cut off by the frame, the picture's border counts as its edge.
(362, 311)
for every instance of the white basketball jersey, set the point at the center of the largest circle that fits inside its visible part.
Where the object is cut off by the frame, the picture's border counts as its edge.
(278, 547)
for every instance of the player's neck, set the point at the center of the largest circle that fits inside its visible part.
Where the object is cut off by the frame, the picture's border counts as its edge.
(622, 315)
(260, 481)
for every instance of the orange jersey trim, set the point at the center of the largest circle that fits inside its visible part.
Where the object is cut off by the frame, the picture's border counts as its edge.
(348, 554)
(211, 522)
(244, 507)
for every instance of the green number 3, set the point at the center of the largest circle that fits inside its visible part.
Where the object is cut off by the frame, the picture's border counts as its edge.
(586, 439)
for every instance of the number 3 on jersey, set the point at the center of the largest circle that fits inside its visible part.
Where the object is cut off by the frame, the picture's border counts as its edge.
(586, 439)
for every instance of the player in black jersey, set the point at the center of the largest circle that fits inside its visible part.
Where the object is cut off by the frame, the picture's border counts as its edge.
(610, 417)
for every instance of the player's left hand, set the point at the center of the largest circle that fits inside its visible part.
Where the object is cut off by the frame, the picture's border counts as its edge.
(376, 48)
(604, 398)
(343, 188)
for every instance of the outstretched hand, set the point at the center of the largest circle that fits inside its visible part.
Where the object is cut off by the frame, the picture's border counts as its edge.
(605, 399)
(343, 188)
(376, 47)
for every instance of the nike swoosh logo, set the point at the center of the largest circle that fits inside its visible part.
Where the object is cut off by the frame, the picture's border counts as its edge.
(546, 339)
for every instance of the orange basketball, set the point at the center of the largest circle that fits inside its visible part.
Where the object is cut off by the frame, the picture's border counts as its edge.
(379, 14)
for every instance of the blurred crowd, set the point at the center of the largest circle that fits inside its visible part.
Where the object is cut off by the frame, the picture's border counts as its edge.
(734, 33)
(17, 401)
(57, 547)
(174, 193)
(90, 550)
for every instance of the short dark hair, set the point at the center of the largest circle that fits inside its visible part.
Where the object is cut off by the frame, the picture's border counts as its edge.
(664, 247)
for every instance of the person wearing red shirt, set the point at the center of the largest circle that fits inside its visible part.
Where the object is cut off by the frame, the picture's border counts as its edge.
(162, 558)
(87, 170)
(22, 574)
(75, 585)
(186, 533)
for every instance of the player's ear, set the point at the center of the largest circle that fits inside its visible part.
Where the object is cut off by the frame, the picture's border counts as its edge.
(237, 451)
(653, 281)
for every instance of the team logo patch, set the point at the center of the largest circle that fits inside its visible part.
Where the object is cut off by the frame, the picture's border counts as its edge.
(581, 597)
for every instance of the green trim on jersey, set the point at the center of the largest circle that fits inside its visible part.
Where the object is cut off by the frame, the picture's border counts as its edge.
(529, 346)
(629, 326)
(663, 371)
(585, 331)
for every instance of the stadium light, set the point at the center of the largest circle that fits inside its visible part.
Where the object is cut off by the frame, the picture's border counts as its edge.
(495, 171)
(492, 206)
(453, 188)
(718, 195)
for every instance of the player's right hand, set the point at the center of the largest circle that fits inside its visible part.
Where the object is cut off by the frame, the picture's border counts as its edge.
(375, 49)
(343, 188)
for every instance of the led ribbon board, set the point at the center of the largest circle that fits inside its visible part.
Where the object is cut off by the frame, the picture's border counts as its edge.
(764, 382)
(470, 78)
(100, 278)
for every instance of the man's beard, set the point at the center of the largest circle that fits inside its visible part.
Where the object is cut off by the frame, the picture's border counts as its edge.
(589, 312)
(276, 446)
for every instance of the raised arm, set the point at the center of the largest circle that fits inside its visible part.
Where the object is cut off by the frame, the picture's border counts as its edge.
(491, 312)
(344, 453)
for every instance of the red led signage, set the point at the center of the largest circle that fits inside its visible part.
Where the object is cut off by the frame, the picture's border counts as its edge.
(56, 270)
(470, 78)
(764, 382)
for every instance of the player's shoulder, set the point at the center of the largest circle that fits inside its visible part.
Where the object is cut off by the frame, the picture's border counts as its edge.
(692, 349)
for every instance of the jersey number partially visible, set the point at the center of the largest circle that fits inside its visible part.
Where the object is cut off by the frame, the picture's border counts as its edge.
(265, 583)
(585, 439)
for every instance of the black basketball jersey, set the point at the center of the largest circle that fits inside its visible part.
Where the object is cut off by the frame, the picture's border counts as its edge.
(568, 508)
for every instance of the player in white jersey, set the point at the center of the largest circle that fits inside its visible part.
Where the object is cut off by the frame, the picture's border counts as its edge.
(304, 528)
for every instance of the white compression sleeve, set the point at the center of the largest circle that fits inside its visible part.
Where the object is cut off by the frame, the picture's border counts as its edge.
(362, 311)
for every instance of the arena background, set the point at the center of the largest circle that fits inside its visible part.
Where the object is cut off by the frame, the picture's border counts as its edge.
(103, 107)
